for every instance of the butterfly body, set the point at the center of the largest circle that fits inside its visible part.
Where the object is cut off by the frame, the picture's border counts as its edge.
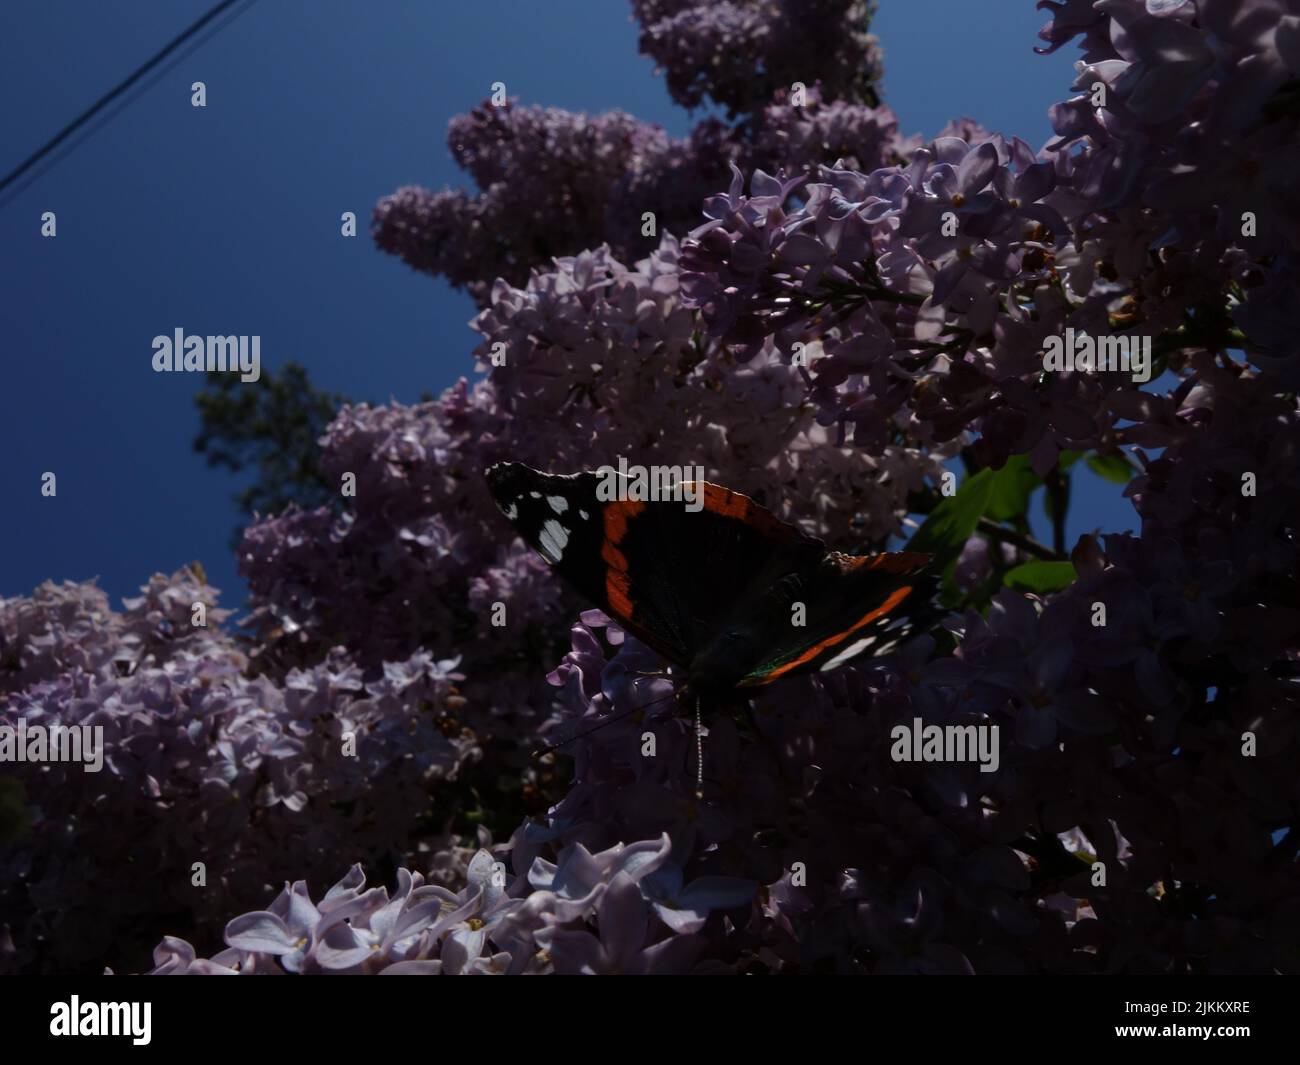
(727, 592)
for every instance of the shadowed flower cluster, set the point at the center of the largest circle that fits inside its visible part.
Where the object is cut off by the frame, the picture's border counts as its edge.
(255, 779)
(740, 53)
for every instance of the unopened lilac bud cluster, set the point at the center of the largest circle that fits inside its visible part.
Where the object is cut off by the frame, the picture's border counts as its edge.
(740, 53)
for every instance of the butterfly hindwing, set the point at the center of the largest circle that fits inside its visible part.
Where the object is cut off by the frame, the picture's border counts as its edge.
(696, 567)
(854, 605)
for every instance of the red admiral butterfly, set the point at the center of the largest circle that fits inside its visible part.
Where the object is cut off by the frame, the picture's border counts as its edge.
(715, 590)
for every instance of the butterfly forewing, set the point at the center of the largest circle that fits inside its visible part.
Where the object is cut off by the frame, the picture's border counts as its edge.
(563, 518)
(698, 566)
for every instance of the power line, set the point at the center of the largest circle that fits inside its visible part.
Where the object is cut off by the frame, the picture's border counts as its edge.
(113, 94)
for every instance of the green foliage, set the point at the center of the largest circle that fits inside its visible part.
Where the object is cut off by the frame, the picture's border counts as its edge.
(951, 523)
(15, 818)
(270, 428)
(1111, 468)
(1012, 487)
(1040, 577)
(993, 501)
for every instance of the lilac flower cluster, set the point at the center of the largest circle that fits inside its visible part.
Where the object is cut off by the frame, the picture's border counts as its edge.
(740, 53)
(945, 331)
(1190, 125)
(931, 287)
(911, 287)
(591, 179)
(497, 923)
(256, 779)
(573, 162)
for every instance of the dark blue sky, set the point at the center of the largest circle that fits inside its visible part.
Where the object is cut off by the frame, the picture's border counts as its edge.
(225, 220)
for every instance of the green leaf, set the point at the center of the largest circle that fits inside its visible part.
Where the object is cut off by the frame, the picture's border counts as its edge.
(1040, 577)
(15, 817)
(951, 523)
(1111, 468)
(1069, 458)
(270, 432)
(1012, 487)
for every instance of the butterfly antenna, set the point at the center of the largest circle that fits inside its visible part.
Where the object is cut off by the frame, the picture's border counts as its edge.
(699, 751)
(543, 751)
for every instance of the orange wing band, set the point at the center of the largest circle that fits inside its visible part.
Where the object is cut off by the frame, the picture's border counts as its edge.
(616, 579)
(894, 598)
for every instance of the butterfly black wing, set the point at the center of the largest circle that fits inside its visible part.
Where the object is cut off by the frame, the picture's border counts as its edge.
(667, 573)
(853, 605)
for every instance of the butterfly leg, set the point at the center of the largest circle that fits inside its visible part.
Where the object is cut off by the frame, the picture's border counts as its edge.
(687, 695)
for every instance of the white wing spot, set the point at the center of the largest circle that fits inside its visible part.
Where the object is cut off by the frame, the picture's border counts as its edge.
(553, 540)
(848, 652)
(510, 511)
(534, 495)
(583, 514)
(558, 503)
